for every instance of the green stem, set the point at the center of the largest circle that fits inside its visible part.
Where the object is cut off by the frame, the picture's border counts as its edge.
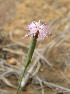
(28, 59)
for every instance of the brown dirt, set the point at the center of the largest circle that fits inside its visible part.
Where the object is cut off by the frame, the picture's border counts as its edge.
(15, 15)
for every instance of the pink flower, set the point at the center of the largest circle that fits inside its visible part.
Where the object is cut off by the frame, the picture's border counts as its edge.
(35, 27)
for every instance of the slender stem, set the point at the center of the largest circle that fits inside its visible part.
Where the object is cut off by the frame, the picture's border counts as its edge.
(28, 59)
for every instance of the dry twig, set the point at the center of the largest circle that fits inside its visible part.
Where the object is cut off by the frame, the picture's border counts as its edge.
(52, 85)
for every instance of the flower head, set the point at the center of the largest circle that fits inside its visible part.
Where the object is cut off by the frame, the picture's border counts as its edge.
(35, 27)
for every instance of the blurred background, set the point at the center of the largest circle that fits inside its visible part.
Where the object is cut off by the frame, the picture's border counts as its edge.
(53, 53)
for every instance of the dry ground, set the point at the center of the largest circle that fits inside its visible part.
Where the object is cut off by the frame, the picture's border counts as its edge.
(15, 15)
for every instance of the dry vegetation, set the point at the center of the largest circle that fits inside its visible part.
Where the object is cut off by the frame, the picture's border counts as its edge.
(52, 56)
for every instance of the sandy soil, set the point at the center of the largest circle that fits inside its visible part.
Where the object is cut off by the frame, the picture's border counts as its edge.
(15, 15)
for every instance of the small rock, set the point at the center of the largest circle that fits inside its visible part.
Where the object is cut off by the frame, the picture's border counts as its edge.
(12, 61)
